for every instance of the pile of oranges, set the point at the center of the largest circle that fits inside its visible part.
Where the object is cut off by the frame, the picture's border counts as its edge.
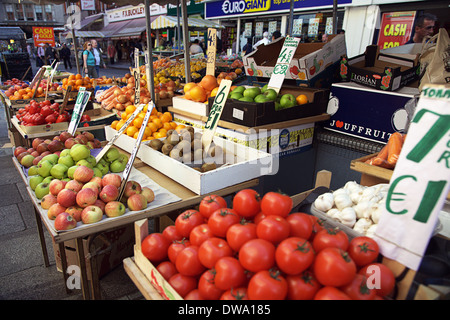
(200, 92)
(23, 93)
(77, 81)
(157, 126)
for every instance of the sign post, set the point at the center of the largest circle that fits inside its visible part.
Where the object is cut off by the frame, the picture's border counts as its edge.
(211, 53)
(80, 104)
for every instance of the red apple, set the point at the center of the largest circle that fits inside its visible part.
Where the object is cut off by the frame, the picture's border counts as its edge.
(20, 156)
(19, 150)
(86, 197)
(42, 147)
(93, 185)
(91, 214)
(83, 174)
(74, 185)
(148, 194)
(82, 138)
(56, 186)
(37, 159)
(109, 193)
(132, 187)
(35, 154)
(66, 198)
(112, 178)
(64, 136)
(69, 143)
(88, 135)
(65, 221)
(47, 201)
(137, 202)
(36, 142)
(114, 209)
(45, 153)
(31, 150)
(75, 212)
(54, 210)
(97, 180)
(55, 145)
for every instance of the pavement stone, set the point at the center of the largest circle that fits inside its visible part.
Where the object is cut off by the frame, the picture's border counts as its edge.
(11, 220)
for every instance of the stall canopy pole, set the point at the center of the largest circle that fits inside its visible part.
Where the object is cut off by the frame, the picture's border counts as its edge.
(149, 48)
(75, 48)
(334, 16)
(178, 27)
(291, 18)
(186, 41)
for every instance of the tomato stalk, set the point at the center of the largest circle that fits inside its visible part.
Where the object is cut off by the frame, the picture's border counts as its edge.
(275, 274)
(365, 247)
(237, 295)
(363, 288)
(308, 278)
(302, 247)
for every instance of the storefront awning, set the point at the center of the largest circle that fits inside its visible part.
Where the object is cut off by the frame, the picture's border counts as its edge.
(86, 34)
(11, 33)
(164, 22)
(125, 29)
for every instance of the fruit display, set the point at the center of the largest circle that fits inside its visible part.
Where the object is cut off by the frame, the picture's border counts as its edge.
(119, 98)
(40, 113)
(77, 81)
(158, 125)
(388, 155)
(44, 85)
(22, 91)
(200, 92)
(14, 82)
(258, 249)
(177, 72)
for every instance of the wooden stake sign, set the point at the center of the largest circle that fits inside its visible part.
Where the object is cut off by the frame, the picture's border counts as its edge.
(211, 53)
(39, 75)
(147, 70)
(284, 59)
(80, 104)
(137, 78)
(65, 99)
(215, 113)
(129, 166)
(119, 132)
(49, 80)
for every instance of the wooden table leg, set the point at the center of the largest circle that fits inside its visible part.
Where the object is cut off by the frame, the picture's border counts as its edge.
(41, 237)
(62, 253)
(83, 273)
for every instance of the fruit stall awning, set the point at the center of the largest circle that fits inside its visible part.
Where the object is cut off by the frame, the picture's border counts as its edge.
(164, 22)
(86, 34)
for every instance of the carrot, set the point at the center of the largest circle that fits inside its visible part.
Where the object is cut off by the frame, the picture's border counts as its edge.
(395, 144)
(381, 157)
(370, 160)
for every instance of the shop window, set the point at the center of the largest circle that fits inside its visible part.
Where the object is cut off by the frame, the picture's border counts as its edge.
(48, 12)
(9, 12)
(38, 11)
(19, 12)
(311, 27)
(29, 13)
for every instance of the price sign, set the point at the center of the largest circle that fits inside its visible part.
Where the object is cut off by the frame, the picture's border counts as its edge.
(49, 80)
(129, 166)
(215, 113)
(39, 75)
(420, 181)
(211, 53)
(80, 104)
(284, 59)
(147, 69)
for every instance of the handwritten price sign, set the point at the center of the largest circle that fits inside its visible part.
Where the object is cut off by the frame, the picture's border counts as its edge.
(211, 53)
(284, 59)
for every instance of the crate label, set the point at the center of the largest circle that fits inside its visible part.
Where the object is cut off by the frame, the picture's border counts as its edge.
(80, 104)
(238, 114)
(211, 53)
(420, 181)
(284, 59)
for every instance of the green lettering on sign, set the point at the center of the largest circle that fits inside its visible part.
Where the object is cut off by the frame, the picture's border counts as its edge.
(391, 193)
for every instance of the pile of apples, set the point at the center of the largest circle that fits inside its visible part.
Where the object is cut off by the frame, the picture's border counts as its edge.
(166, 90)
(87, 198)
(226, 75)
(14, 82)
(40, 113)
(44, 84)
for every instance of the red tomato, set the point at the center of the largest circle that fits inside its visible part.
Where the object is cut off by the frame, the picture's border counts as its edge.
(235, 294)
(328, 237)
(171, 234)
(358, 290)
(300, 225)
(303, 286)
(331, 293)
(363, 250)
(206, 286)
(247, 203)
(212, 250)
(220, 220)
(380, 277)
(259, 217)
(267, 285)
(273, 228)
(257, 254)
(193, 295)
(294, 255)
(334, 267)
(276, 203)
(167, 269)
(199, 234)
(211, 203)
(317, 226)
(175, 248)
(183, 284)
(155, 246)
(229, 273)
(240, 233)
(188, 263)
(186, 221)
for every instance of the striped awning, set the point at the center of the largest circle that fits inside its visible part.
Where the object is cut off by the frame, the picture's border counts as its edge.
(164, 22)
(86, 34)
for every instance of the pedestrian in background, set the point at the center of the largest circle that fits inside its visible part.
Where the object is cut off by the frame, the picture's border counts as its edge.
(423, 27)
(64, 54)
(111, 53)
(89, 61)
(41, 60)
(98, 57)
(49, 55)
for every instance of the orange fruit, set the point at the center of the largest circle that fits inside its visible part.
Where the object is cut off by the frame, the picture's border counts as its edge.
(72, 77)
(167, 126)
(165, 118)
(168, 114)
(238, 71)
(152, 126)
(131, 130)
(197, 94)
(78, 76)
(137, 122)
(302, 99)
(179, 127)
(148, 132)
(214, 92)
(158, 122)
(79, 82)
(173, 124)
(136, 135)
(188, 86)
(130, 109)
(120, 124)
(114, 124)
(208, 82)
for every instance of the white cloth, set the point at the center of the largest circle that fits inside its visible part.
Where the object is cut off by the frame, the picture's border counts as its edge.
(262, 41)
(41, 52)
(97, 57)
(195, 48)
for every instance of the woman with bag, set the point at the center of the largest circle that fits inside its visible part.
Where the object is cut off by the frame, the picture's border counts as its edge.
(89, 61)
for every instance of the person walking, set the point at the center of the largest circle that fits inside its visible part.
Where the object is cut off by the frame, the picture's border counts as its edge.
(49, 54)
(41, 60)
(98, 57)
(89, 61)
(111, 53)
(64, 54)
(195, 47)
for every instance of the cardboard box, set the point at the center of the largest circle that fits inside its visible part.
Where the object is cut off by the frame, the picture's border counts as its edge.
(380, 71)
(369, 114)
(199, 108)
(309, 60)
(110, 248)
(279, 142)
(254, 114)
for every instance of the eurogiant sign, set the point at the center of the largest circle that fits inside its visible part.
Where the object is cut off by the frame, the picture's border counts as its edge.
(228, 8)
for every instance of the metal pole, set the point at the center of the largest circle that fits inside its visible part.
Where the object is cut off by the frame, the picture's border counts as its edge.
(291, 18)
(186, 41)
(75, 48)
(149, 48)
(334, 16)
(178, 27)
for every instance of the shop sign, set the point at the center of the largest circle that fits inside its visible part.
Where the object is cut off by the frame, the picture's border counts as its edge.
(133, 12)
(226, 8)
(420, 182)
(297, 27)
(395, 29)
(248, 29)
(87, 5)
(43, 35)
(272, 27)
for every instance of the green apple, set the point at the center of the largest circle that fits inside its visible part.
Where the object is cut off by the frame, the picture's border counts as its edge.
(35, 180)
(97, 172)
(246, 99)
(78, 152)
(236, 95)
(260, 98)
(48, 179)
(239, 89)
(111, 155)
(104, 168)
(265, 88)
(59, 171)
(271, 94)
(287, 101)
(66, 160)
(252, 92)
(118, 165)
(277, 106)
(67, 179)
(42, 189)
(64, 153)
(103, 162)
(91, 160)
(53, 158)
(84, 162)
(32, 171)
(70, 171)
(27, 161)
(44, 168)
(123, 157)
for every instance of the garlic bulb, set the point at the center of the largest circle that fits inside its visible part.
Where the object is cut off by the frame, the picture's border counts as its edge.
(376, 212)
(333, 213)
(342, 200)
(324, 202)
(340, 191)
(347, 217)
(362, 225)
(356, 195)
(371, 230)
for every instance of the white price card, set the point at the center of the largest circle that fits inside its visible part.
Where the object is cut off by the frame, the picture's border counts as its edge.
(80, 104)
(211, 53)
(137, 86)
(215, 113)
(284, 59)
(147, 70)
(420, 181)
(129, 166)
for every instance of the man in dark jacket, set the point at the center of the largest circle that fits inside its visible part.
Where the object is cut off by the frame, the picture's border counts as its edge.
(64, 54)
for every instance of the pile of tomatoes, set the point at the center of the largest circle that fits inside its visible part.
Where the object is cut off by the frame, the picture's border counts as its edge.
(260, 250)
(40, 113)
